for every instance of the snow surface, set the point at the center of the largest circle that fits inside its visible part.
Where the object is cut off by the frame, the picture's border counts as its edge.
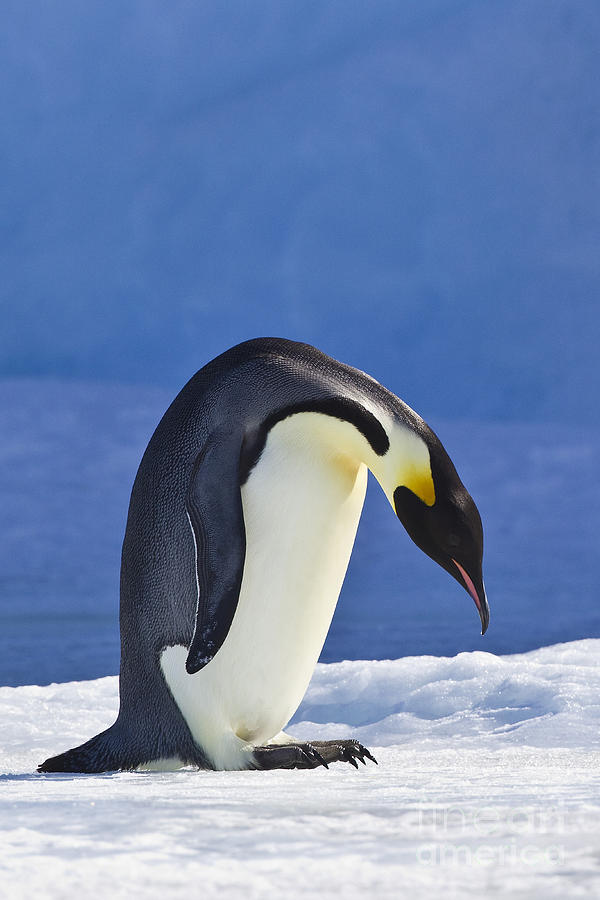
(488, 784)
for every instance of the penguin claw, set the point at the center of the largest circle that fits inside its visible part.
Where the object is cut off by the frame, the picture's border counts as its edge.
(345, 751)
(353, 751)
(368, 755)
(312, 754)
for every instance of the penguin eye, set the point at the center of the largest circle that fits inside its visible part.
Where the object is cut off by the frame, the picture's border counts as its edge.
(453, 539)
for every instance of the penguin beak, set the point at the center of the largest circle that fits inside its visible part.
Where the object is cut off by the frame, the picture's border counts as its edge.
(478, 596)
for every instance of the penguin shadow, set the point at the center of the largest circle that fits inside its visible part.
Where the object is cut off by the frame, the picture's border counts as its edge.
(54, 776)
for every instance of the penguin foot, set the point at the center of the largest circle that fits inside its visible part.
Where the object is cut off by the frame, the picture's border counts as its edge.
(288, 756)
(344, 751)
(310, 755)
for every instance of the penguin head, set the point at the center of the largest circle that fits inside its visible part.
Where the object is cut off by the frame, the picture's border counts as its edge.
(441, 517)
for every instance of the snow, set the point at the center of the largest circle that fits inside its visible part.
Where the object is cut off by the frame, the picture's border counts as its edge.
(488, 783)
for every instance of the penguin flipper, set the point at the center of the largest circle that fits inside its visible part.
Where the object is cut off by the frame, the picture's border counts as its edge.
(214, 508)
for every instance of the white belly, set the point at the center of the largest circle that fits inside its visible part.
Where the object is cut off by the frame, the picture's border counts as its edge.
(302, 504)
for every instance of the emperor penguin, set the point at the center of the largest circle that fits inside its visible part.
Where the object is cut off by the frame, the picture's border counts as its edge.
(241, 523)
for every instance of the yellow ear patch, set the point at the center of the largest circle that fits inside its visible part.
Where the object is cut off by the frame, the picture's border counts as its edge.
(420, 482)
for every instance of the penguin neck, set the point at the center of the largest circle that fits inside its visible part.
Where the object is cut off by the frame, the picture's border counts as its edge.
(406, 461)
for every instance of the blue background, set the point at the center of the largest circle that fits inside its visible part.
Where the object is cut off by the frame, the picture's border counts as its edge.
(414, 188)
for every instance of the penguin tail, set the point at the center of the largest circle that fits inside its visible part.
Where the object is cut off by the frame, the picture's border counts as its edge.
(99, 754)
